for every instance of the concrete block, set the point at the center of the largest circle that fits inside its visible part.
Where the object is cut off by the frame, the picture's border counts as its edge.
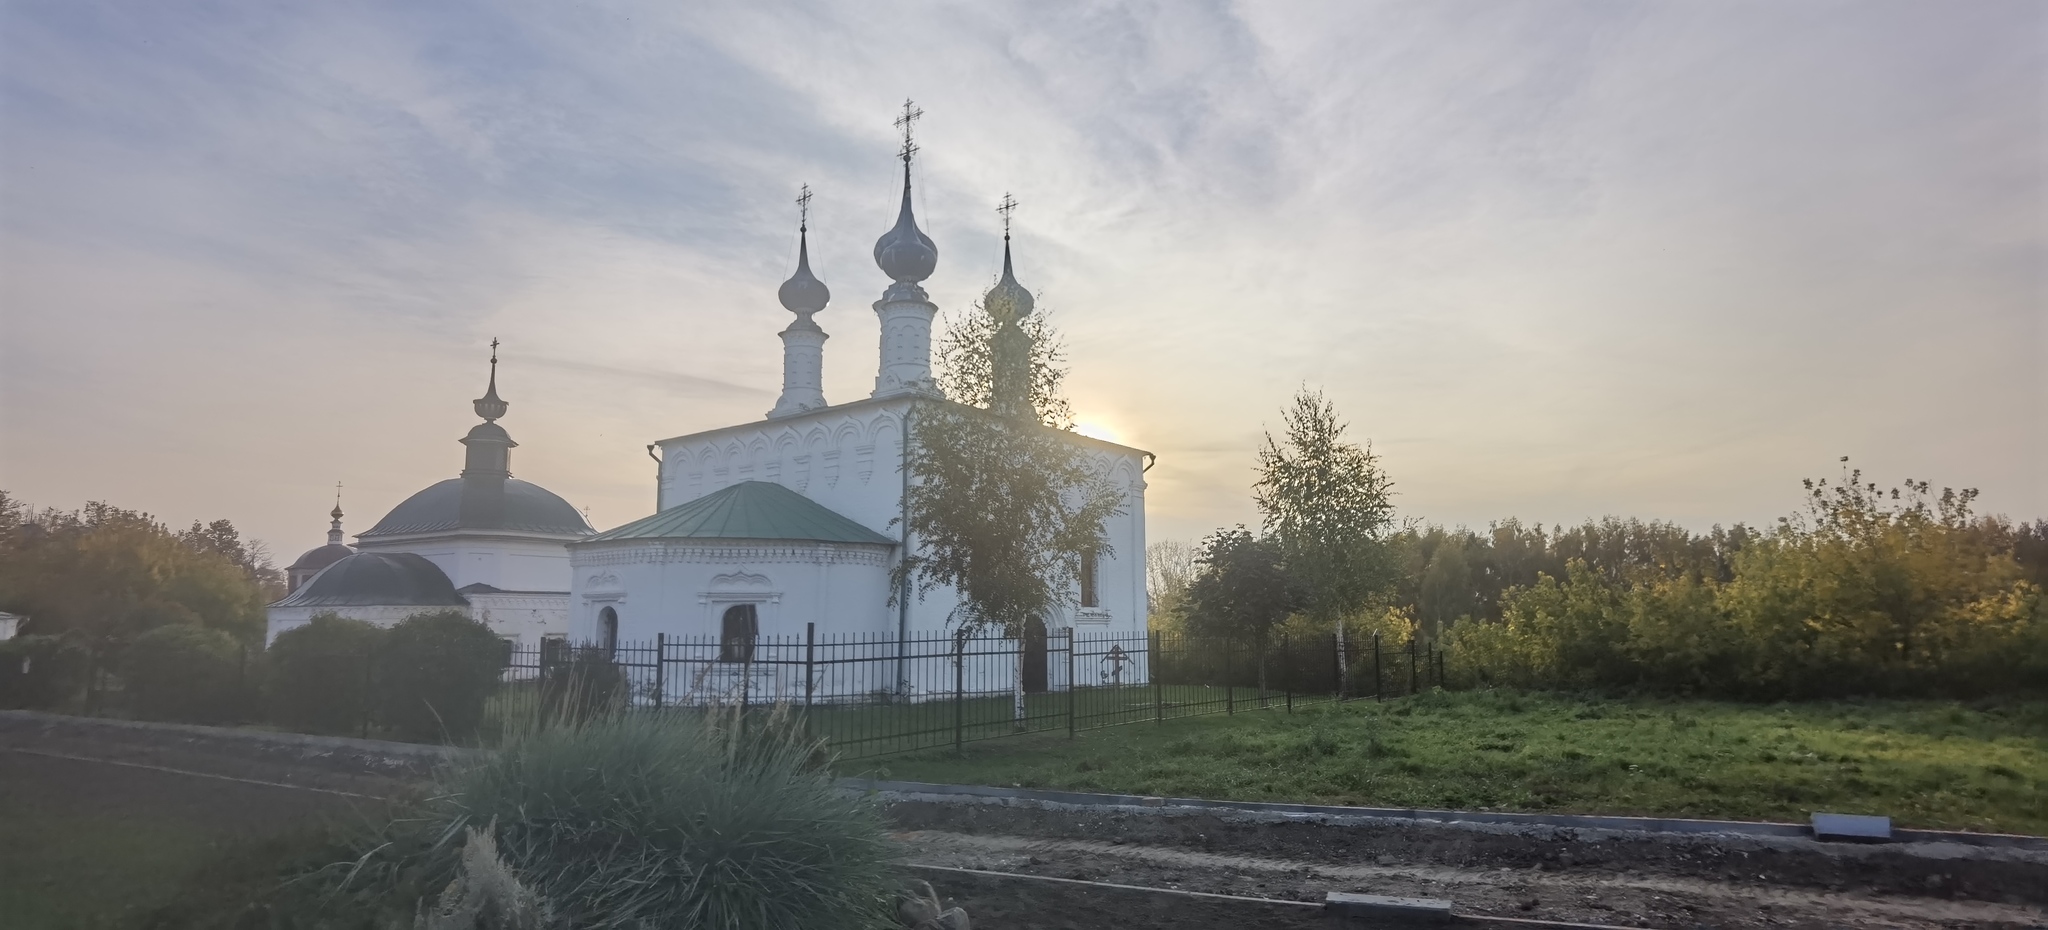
(1346, 910)
(1853, 828)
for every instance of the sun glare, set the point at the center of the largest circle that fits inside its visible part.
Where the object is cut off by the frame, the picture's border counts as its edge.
(1096, 429)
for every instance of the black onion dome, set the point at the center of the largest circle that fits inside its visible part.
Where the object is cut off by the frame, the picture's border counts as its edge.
(529, 508)
(374, 579)
(905, 253)
(316, 559)
(803, 293)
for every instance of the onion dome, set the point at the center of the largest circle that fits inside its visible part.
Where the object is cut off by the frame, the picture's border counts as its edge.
(1008, 301)
(905, 253)
(803, 294)
(491, 406)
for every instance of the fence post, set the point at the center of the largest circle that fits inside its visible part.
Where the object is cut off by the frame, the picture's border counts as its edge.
(1286, 649)
(1379, 689)
(1152, 667)
(1073, 693)
(1440, 668)
(959, 690)
(1229, 682)
(1411, 665)
(660, 669)
(1337, 665)
(810, 660)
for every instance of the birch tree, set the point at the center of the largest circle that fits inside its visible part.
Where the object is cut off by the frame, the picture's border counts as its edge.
(1002, 503)
(1329, 508)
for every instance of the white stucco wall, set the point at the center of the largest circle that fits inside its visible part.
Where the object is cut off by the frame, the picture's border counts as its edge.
(848, 458)
(506, 562)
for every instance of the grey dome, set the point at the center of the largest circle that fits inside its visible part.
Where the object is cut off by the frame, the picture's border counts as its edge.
(316, 559)
(529, 508)
(377, 579)
(803, 293)
(905, 253)
(1008, 300)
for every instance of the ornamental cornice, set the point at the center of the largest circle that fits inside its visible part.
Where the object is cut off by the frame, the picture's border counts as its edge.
(661, 552)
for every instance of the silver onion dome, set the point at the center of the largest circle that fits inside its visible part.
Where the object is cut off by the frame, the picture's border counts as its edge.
(803, 294)
(905, 253)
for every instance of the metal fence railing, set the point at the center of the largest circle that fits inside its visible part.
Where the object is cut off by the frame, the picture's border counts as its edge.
(872, 695)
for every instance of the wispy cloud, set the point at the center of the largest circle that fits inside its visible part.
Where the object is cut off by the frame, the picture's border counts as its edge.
(1557, 260)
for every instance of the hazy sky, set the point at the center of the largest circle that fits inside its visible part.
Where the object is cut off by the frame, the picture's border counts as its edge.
(1555, 260)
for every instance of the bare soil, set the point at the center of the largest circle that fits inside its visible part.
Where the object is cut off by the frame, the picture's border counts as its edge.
(1625, 880)
(1594, 877)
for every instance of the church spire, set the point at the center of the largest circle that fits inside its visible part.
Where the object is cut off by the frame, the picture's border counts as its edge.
(803, 343)
(1008, 303)
(907, 256)
(487, 461)
(490, 406)
(334, 529)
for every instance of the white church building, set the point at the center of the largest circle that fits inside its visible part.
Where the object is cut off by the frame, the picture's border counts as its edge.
(790, 526)
(778, 529)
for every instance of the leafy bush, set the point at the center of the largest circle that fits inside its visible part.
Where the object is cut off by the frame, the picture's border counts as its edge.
(434, 673)
(1866, 593)
(42, 671)
(633, 820)
(184, 672)
(584, 684)
(317, 675)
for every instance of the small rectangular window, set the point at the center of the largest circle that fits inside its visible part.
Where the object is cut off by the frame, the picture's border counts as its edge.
(737, 633)
(1091, 590)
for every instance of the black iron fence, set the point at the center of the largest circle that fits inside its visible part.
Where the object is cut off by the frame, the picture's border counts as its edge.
(866, 695)
(871, 695)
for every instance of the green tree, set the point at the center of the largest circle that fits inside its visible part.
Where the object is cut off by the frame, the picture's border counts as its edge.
(1329, 507)
(104, 575)
(1241, 592)
(1002, 502)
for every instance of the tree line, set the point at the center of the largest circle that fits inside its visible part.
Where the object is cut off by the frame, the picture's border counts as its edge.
(1866, 590)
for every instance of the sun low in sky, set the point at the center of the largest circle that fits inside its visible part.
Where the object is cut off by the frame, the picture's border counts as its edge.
(1553, 260)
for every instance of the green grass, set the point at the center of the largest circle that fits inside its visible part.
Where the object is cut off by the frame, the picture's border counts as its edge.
(1929, 764)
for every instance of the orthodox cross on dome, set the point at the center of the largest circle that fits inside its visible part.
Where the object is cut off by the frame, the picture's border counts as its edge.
(1007, 207)
(803, 209)
(911, 114)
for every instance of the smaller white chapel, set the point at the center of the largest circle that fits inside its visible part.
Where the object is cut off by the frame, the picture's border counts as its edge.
(483, 543)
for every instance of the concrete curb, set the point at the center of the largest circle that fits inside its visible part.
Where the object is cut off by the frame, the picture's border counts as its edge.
(1665, 825)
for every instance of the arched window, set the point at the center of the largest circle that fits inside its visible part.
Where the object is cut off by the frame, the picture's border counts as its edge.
(1091, 587)
(608, 630)
(737, 633)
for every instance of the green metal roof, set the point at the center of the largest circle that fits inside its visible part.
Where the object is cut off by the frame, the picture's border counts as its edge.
(747, 510)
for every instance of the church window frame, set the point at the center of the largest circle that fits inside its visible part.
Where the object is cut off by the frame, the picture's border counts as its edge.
(608, 630)
(1088, 577)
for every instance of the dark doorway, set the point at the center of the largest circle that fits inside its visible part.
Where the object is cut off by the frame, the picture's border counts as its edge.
(608, 631)
(1034, 657)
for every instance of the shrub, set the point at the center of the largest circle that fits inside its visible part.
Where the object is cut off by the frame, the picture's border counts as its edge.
(42, 671)
(184, 672)
(317, 675)
(637, 820)
(434, 673)
(585, 684)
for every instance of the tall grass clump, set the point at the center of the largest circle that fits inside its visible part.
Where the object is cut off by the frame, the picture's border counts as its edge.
(716, 821)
